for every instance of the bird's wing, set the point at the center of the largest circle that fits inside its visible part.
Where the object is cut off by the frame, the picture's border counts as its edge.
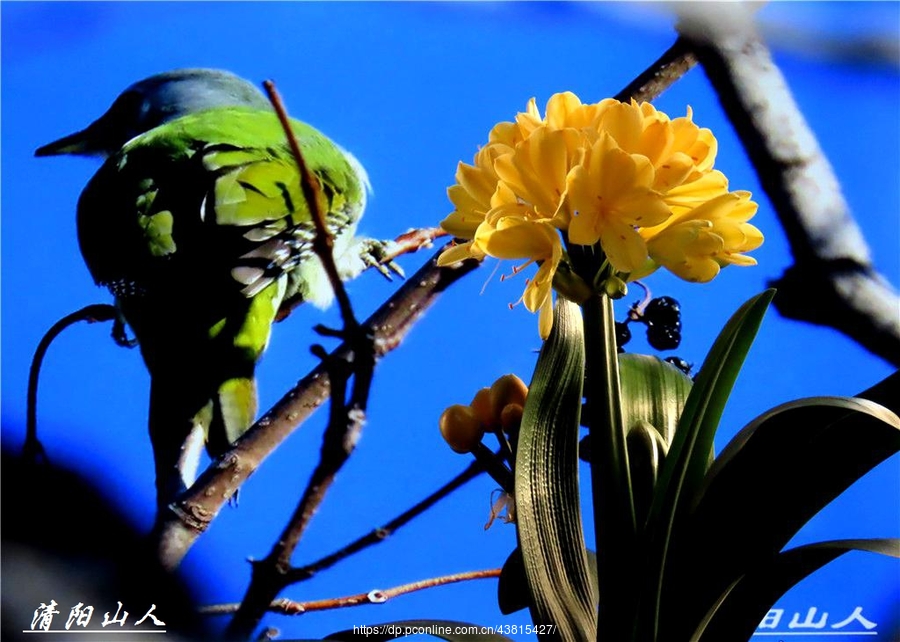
(220, 188)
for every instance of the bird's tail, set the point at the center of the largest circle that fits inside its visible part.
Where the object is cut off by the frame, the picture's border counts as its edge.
(187, 414)
(203, 388)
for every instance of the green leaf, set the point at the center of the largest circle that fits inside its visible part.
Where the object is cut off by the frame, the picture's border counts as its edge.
(653, 398)
(442, 629)
(886, 392)
(615, 520)
(548, 511)
(774, 476)
(688, 458)
(512, 587)
(741, 608)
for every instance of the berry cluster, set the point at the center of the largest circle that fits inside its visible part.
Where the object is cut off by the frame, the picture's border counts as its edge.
(662, 316)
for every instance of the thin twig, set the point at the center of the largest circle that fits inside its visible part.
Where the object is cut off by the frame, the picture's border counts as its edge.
(346, 419)
(832, 281)
(406, 243)
(412, 241)
(323, 241)
(662, 74)
(375, 596)
(33, 449)
(380, 534)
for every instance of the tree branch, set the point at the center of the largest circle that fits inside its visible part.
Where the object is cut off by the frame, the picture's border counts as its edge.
(33, 450)
(832, 281)
(346, 419)
(662, 74)
(191, 514)
(381, 533)
(375, 596)
(323, 240)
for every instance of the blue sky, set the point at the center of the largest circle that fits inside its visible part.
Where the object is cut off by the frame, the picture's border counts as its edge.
(412, 89)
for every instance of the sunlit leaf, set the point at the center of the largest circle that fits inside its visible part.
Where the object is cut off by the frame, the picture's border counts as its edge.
(548, 510)
(688, 457)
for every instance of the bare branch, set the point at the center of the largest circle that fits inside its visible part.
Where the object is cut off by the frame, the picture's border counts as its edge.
(380, 534)
(832, 281)
(33, 450)
(375, 596)
(323, 241)
(662, 74)
(189, 516)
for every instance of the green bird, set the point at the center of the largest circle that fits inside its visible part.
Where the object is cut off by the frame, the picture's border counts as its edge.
(197, 224)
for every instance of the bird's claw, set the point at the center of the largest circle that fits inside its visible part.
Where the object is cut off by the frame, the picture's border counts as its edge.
(376, 254)
(120, 333)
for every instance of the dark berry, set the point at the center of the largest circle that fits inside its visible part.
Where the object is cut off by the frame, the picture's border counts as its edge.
(663, 311)
(681, 364)
(663, 338)
(623, 333)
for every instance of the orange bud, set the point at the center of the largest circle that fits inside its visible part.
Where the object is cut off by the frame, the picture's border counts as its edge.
(481, 405)
(511, 418)
(506, 390)
(460, 428)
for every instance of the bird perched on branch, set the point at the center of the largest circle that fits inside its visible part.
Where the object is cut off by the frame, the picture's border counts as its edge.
(197, 224)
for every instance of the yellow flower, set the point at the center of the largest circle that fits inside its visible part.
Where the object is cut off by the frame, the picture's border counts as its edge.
(535, 240)
(536, 171)
(623, 176)
(608, 197)
(475, 185)
(699, 243)
(679, 151)
(564, 110)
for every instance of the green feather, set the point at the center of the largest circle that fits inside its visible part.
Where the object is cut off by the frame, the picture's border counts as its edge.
(200, 229)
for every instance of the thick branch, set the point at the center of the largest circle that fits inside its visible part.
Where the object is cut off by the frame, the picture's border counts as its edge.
(189, 516)
(832, 281)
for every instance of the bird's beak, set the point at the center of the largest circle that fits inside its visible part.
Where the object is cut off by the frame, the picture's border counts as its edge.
(83, 143)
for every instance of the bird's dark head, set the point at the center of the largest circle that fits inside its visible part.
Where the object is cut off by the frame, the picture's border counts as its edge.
(153, 101)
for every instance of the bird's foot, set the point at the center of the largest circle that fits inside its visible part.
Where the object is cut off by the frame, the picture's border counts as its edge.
(120, 333)
(379, 255)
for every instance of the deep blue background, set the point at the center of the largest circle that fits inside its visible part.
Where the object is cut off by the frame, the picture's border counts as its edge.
(411, 89)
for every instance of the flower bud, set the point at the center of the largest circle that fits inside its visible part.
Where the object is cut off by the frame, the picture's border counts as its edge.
(511, 418)
(460, 428)
(508, 389)
(481, 405)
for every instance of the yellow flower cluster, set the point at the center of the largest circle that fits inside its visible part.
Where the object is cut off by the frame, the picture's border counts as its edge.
(624, 176)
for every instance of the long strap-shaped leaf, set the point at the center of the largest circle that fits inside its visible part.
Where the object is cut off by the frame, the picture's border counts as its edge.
(548, 510)
(744, 604)
(688, 457)
(774, 476)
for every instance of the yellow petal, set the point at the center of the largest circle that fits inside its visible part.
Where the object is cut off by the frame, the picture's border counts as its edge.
(625, 124)
(624, 247)
(559, 108)
(457, 253)
(545, 318)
